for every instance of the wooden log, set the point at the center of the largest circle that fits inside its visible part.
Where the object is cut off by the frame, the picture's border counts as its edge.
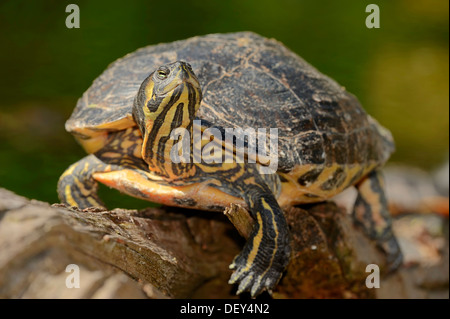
(176, 253)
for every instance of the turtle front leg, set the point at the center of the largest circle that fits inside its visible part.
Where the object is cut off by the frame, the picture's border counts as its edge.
(77, 186)
(266, 254)
(371, 213)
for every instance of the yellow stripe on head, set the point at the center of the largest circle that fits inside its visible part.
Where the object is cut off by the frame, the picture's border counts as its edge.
(148, 93)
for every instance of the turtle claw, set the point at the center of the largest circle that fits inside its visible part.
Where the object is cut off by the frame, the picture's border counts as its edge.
(252, 279)
(244, 285)
(394, 256)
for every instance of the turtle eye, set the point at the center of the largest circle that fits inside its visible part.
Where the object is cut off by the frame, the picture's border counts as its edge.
(162, 73)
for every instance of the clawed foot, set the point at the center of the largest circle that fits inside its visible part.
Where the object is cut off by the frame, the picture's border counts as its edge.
(267, 251)
(255, 275)
(252, 280)
(394, 256)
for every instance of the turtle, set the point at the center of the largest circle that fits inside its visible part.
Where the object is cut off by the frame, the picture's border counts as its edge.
(324, 142)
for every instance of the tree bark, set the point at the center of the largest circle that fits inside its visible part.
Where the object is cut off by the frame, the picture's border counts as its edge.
(178, 253)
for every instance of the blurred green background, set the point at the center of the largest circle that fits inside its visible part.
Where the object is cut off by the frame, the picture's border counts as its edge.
(399, 72)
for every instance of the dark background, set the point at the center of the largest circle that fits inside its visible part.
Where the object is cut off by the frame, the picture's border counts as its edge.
(399, 72)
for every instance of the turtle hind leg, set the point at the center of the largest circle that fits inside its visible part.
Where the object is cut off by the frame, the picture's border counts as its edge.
(371, 214)
(77, 187)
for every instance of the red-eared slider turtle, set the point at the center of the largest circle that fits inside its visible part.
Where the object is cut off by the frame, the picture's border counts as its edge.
(326, 142)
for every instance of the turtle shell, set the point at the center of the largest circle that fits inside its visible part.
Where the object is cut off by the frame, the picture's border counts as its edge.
(247, 81)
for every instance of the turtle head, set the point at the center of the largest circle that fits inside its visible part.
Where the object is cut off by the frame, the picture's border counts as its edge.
(168, 98)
